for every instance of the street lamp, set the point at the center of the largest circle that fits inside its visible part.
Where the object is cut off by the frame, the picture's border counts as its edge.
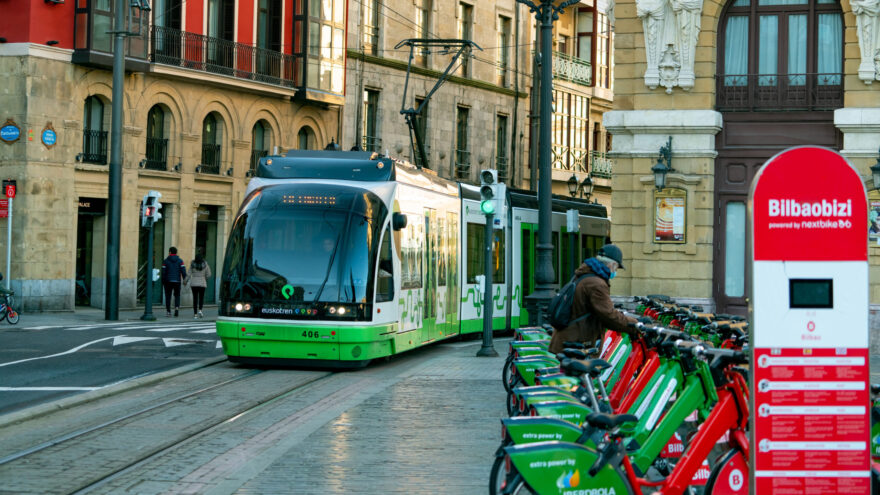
(546, 11)
(875, 173)
(587, 187)
(663, 165)
(573, 185)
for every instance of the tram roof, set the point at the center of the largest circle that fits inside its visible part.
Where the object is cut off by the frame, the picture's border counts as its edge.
(334, 165)
(522, 198)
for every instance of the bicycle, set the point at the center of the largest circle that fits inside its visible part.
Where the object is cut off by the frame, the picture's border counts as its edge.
(7, 300)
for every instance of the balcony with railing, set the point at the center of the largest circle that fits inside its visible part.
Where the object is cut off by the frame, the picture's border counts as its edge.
(774, 92)
(210, 159)
(600, 165)
(567, 158)
(94, 147)
(157, 154)
(462, 164)
(572, 69)
(255, 158)
(204, 53)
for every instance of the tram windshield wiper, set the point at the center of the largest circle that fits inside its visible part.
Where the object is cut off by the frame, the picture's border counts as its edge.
(329, 269)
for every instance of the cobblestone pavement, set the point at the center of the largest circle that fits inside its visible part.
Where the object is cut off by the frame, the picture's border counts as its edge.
(423, 421)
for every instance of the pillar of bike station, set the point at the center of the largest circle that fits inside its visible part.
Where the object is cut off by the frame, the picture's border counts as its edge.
(809, 345)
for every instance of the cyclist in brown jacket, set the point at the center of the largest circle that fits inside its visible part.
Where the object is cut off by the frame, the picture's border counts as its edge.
(593, 296)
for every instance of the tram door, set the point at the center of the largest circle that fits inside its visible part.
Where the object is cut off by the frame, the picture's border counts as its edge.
(527, 279)
(450, 248)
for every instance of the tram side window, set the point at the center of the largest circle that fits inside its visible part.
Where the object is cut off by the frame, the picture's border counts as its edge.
(476, 253)
(385, 277)
(411, 255)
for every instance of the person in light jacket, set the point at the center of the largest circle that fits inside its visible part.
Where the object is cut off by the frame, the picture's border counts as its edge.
(199, 271)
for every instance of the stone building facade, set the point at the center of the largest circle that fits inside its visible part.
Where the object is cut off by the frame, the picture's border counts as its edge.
(202, 102)
(732, 83)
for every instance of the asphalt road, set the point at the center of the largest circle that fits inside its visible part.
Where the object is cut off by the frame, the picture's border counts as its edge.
(42, 363)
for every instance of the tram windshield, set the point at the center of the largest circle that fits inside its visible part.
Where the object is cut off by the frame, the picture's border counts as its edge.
(304, 243)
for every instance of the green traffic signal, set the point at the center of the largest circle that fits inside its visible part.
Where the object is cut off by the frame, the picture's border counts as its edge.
(487, 206)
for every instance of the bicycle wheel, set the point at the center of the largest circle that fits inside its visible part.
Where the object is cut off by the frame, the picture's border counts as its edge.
(12, 316)
(497, 475)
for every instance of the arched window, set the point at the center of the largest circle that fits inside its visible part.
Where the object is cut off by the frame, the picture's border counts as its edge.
(261, 140)
(157, 143)
(781, 55)
(94, 135)
(305, 138)
(212, 128)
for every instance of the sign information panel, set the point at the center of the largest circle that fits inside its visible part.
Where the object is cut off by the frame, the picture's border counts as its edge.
(810, 386)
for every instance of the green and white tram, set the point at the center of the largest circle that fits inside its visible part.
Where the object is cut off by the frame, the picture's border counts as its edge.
(338, 258)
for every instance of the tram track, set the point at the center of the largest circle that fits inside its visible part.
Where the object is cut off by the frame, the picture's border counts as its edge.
(84, 475)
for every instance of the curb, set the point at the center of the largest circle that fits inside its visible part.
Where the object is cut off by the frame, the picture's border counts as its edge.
(113, 389)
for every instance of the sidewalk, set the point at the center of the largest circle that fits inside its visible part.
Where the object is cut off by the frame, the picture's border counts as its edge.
(84, 315)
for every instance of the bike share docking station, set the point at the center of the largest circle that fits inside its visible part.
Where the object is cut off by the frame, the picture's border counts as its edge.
(809, 312)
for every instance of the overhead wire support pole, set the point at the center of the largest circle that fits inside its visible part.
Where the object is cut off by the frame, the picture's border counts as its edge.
(410, 114)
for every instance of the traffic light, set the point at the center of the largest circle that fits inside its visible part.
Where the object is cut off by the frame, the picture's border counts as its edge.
(150, 209)
(489, 191)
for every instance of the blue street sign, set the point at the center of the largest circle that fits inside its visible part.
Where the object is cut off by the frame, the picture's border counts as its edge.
(10, 133)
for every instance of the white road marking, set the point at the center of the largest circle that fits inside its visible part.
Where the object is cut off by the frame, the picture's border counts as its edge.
(122, 339)
(207, 330)
(175, 342)
(219, 345)
(48, 389)
(70, 351)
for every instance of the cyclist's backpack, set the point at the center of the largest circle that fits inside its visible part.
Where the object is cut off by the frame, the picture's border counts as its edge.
(559, 311)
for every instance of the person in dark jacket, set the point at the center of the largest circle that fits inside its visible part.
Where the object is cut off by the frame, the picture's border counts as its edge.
(593, 296)
(173, 273)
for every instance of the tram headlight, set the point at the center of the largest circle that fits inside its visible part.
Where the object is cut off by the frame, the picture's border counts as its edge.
(240, 307)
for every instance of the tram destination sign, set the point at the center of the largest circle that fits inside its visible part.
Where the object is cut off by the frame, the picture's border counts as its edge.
(810, 362)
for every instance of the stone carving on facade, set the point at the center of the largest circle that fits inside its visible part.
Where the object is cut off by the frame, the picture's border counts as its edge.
(867, 26)
(671, 28)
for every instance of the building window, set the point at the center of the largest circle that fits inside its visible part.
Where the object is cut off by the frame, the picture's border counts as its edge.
(94, 135)
(562, 44)
(269, 38)
(319, 39)
(305, 138)
(261, 141)
(501, 147)
(423, 28)
(372, 141)
(166, 31)
(371, 26)
(157, 143)
(465, 32)
(211, 147)
(571, 131)
(781, 55)
(585, 35)
(603, 50)
(503, 53)
(462, 152)
(221, 36)
(422, 129)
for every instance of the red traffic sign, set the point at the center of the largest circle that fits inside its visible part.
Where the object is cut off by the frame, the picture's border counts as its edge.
(805, 198)
(9, 188)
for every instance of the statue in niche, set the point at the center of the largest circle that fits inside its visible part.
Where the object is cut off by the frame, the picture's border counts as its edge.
(867, 23)
(671, 28)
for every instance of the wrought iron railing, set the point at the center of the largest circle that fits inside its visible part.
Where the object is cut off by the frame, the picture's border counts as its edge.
(566, 158)
(572, 69)
(755, 92)
(462, 164)
(600, 165)
(94, 147)
(210, 159)
(501, 165)
(372, 143)
(157, 154)
(255, 157)
(194, 51)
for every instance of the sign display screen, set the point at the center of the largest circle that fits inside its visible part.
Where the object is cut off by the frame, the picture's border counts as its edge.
(810, 293)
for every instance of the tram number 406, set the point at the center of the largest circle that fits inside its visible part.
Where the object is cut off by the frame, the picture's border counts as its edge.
(311, 334)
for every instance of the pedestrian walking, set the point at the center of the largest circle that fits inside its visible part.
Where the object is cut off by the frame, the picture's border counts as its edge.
(593, 296)
(173, 273)
(197, 280)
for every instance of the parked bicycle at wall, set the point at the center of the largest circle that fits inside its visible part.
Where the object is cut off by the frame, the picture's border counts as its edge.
(7, 303)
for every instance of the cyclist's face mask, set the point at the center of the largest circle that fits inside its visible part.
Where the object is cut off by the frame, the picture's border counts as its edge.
(613, 274)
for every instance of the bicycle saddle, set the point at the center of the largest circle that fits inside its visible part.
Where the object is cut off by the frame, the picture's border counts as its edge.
(875, 388)
(592, 367)
(573, 345)
(610, 421)
(573, 354)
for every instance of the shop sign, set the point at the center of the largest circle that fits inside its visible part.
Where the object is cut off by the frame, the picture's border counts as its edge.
(93, 206)
(4, 208)
(10, 132)
(809, 349)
